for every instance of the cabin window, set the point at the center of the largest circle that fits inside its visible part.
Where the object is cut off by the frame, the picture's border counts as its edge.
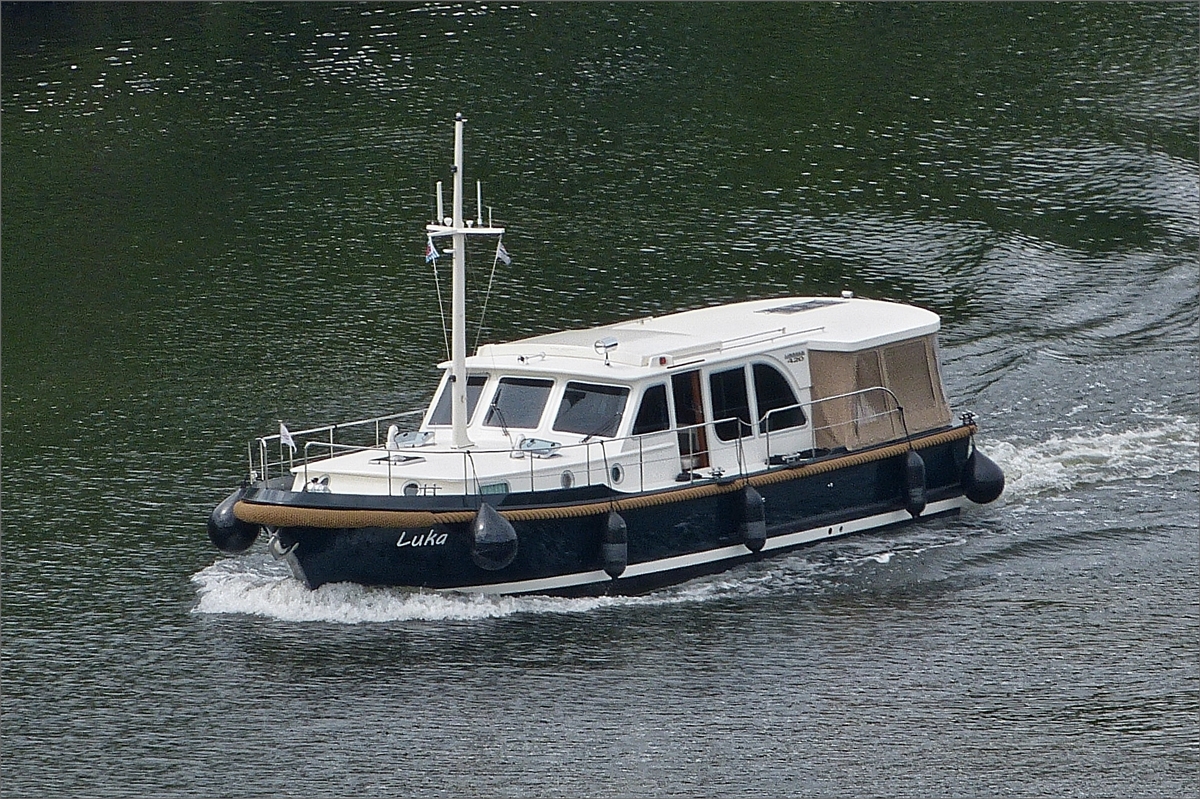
(441, 411)
(689, 416)
(729, 400)
(652, 416)
(772, 391)
(591, 410)
(518, 402)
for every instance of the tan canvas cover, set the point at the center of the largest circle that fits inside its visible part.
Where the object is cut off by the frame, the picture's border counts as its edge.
(908, 368)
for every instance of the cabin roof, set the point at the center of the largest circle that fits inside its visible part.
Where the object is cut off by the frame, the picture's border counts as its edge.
(818, 323)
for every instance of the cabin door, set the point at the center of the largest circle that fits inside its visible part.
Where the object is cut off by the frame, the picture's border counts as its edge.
(689, 414)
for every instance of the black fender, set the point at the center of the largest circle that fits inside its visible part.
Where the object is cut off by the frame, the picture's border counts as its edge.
(227, 532)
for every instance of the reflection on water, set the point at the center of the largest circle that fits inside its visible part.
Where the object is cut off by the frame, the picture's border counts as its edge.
(214, 220)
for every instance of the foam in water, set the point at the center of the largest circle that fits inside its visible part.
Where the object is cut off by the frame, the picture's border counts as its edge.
(257, 585)
(1095, 456)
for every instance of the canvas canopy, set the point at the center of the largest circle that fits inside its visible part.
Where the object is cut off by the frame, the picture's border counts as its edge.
(851, 410)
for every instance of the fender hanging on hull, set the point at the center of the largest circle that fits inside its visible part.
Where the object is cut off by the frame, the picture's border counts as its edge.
(753, 527)
(914, 483)
(614, 545)
(227, 532)
(982, 479)
(495, 539)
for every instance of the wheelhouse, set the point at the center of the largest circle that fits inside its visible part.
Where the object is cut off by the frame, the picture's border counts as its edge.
(648, 404)
(696, 395)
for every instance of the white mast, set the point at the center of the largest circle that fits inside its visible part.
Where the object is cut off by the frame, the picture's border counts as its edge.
(458, 232)
(458, 303)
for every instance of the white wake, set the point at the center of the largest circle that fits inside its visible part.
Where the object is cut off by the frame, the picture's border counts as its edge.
(1089, 457)
(255, 584)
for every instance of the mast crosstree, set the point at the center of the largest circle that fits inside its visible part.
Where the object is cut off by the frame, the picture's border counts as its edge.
(458, 230)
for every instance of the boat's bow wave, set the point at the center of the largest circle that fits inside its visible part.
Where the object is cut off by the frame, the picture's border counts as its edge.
(255, 584)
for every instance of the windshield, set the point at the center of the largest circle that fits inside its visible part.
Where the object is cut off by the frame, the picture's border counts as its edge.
(518, 403)
(591, 410)
(441, 411)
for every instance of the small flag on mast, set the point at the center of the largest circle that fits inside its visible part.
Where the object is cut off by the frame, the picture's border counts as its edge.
(502, 253)
(285, 437)
(431, 253)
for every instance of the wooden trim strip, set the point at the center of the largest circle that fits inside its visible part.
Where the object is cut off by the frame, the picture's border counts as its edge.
(291, 516)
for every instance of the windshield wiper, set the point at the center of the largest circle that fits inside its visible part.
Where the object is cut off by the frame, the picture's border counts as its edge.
(494, 408)
(600, 428)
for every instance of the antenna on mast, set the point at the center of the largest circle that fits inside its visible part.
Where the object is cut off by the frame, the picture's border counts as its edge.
(458, 229)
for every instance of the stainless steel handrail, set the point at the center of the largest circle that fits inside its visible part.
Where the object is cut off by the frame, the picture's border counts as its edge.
(265, 466)
(808, 406)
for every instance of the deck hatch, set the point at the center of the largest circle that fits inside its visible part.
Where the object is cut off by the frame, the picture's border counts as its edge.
(799, 307)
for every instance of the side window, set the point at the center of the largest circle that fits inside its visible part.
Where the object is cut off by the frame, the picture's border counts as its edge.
(591, 410)
(518, 402)
(441, 412)
(652, 415)
(773, 392)
(729, 399)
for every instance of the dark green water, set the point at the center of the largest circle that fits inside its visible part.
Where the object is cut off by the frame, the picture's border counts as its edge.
(212, 218)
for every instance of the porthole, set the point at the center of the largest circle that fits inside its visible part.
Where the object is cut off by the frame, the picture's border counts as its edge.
(568, 479)
(618, 473)
(411, 489)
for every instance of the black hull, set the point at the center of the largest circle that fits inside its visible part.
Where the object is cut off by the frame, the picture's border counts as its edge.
(668, 542)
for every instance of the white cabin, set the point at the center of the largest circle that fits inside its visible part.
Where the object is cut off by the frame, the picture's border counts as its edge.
(654, 403)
